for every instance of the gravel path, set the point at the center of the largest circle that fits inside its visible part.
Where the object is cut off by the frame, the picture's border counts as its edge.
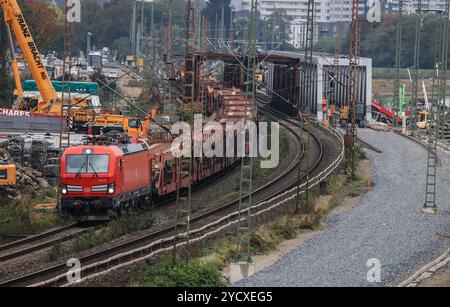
(388, 225)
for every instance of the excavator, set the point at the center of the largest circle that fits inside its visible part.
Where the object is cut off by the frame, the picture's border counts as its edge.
(51, 103)
(7, 174)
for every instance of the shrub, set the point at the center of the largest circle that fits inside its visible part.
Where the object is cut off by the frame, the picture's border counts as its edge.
(180, 274)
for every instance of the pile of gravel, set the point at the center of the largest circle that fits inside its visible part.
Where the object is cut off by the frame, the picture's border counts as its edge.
(387, 225)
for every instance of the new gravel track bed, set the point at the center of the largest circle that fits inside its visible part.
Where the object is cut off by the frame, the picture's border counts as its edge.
(387, 224)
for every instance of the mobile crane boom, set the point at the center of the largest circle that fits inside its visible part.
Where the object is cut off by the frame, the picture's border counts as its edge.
(14, 18)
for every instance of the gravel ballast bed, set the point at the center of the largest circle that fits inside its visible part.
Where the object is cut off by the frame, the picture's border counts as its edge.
(387, 225)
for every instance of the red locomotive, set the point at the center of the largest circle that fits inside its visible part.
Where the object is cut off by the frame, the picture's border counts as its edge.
(97, 179)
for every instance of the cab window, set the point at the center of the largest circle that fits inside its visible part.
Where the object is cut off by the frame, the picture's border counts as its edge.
(87, 164)
(134, 123)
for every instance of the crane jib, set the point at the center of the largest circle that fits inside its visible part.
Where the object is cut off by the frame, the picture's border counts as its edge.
(31, 45)
(23, 26)
(36, 55)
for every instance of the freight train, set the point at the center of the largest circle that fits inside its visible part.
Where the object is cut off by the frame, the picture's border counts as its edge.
(104, 179)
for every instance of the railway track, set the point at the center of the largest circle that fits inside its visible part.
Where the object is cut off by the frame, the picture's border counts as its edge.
(421, 143)
(368, 145)
(40, 241)
(273, 194)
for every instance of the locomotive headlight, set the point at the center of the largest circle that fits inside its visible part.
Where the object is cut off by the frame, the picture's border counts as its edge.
(63, 190)
(111, 189)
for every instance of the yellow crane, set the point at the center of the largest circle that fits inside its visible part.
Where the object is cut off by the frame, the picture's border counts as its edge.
(51, 103)
(17, 24)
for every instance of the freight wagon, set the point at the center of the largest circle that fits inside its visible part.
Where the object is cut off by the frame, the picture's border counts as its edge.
(98, 179)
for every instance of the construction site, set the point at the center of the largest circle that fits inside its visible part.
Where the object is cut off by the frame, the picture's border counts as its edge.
(224, 144)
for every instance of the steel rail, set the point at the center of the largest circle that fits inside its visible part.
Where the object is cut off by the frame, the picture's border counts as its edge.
(61, 267)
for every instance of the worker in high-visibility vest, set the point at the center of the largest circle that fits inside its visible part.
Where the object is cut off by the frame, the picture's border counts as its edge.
(325, 111)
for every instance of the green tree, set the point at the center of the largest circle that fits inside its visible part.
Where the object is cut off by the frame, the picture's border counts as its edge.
(6, 82)
(277, 30)
(379, 42)
(325, 44)
(213, 14)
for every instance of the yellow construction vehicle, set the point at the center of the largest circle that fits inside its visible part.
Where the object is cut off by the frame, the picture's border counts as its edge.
(51, 103)
(132, 125)
(7, 174)
(422, 122)
(344, 115)
(18, 26)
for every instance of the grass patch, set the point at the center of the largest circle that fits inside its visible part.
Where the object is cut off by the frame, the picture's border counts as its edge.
(130, 223)
(133, 222)
(45, 194)
(19, 218)
(226, 197)
(179, 274)
(390, 73)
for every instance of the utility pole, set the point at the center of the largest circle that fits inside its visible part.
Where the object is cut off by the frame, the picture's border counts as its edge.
(435, 124)
(354, 50)
(184, 164)
(88, 47)
(222, 28)
(243, 234)
(398, 55)
(231, 28)
(202, 65)
(336, 66)
(141, 30)
(415, 83)
(307, 100)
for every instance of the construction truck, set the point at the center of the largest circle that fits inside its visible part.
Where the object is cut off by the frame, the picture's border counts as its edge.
(51, 103)
(345, 115)
(7, 174)
(96, 125)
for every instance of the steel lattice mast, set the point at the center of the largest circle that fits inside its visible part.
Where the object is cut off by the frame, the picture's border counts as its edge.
(184, 165)
(415, 81)
(243, 235)
(398, 55)
(350, 136)
(436, 117)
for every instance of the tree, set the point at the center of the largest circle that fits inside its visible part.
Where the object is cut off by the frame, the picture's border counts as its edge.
(213, 14)
(325, 44)
(278, 30)
(6, 82)
(379, 42)
(46, 23)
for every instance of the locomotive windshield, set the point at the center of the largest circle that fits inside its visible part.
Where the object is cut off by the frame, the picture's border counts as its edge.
(87, 164)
